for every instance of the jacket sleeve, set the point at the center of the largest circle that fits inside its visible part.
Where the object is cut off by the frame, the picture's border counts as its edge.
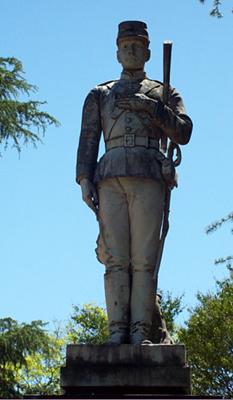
(173, 119)
(89, 137)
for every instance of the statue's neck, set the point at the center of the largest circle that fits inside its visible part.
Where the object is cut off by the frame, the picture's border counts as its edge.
(133, 74)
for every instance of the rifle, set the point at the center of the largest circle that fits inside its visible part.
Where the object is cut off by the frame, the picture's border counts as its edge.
(167, 54)
(167, 50)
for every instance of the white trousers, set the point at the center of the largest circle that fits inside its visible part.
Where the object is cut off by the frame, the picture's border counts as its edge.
(130, 217)
(130, 214)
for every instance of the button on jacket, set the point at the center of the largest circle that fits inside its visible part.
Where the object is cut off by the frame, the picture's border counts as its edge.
(101, 114)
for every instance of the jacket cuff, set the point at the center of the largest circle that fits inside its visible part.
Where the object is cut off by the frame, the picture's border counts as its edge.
(84, 171)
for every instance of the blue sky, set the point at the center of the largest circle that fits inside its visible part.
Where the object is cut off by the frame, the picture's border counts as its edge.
(47, 234)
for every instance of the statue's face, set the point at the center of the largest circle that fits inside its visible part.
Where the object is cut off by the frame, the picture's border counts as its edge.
(132, 53)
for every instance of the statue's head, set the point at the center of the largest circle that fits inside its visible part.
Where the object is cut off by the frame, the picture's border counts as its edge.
(133, 42)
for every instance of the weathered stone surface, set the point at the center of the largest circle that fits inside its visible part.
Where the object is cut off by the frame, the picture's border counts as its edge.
(127, 368)
(129, 187)
(126, 354)
(125, 376)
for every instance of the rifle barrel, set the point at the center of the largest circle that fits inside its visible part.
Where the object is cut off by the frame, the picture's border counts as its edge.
(167, 53)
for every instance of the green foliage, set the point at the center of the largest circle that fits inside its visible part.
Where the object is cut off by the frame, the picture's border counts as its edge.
(215, 10)
(88, 325)
(171, 308)
(212, 228)
(217, 224)
(17, 342)
(41, 374)
(209, 340)
(19, 120)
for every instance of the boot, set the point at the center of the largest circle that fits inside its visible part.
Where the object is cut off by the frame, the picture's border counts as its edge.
(117, 294)
(142, 305)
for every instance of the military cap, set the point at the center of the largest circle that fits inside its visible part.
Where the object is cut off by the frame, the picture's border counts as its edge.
(131, 29)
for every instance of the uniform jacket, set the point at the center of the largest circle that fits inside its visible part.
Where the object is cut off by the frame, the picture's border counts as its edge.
(101, 115)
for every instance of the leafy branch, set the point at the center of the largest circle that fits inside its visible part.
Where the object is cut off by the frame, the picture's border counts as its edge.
(19, 120)
(216, 8)
(212, 228)
(217, 224)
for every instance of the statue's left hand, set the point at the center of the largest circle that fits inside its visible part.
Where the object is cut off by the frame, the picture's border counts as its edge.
(89, 195)
(138, 102)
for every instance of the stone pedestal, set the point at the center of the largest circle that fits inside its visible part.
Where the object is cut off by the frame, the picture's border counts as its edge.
(125, 369)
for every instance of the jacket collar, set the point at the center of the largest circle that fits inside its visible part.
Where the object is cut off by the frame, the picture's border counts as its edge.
(133, 75)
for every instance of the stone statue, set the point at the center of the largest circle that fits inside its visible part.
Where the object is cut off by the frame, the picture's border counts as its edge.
(126, 187)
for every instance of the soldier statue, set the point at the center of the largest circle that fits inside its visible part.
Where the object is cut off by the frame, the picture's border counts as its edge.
(126, 187)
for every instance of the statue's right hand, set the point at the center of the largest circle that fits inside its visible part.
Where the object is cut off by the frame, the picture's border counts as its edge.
(138, 102)
(89, 195)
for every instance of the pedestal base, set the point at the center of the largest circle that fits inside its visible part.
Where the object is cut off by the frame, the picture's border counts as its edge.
(126, 369)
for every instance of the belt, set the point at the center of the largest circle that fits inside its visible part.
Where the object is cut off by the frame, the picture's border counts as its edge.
(131, 140)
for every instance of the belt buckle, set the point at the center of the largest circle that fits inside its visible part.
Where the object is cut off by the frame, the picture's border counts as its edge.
(129, 140)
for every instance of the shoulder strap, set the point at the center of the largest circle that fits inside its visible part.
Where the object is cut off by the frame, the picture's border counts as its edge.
(109, 84)
(148, 85)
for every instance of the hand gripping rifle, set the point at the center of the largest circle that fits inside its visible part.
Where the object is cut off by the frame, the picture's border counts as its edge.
(167, 51)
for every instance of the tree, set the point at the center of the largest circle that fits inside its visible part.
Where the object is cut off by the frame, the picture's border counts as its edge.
(215, 10)
(212, 228)
(209, 339)
(41, 374)
(30, 359)
(171, 307)
(89, 324)
(20, 121)
(17, 342)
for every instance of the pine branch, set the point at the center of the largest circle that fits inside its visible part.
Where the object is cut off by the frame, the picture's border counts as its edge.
(224, 260)
(20, 121)
(12, 82)
(212, 228)
(215, 11)
(215, 225)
